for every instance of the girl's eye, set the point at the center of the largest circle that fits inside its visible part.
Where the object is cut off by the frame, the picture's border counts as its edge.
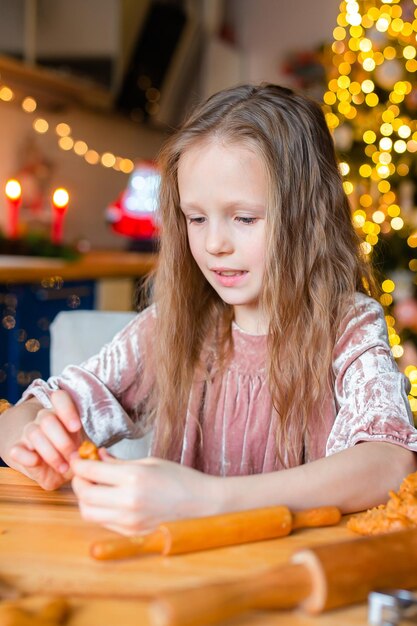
(196, 220)
(247, 220)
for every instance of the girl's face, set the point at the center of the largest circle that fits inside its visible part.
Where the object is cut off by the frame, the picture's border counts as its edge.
(223, 195)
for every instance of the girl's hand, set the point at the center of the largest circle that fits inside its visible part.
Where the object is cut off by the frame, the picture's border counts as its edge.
(47, 443)
(133, 497)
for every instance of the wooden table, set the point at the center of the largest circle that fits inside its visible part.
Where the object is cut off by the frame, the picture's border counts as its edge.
(44, 547)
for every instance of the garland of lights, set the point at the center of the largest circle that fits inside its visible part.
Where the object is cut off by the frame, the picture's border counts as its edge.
(374, 52)
(64, 137)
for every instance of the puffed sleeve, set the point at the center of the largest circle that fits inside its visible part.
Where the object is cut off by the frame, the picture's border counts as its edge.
(108, 388)
(370, 392)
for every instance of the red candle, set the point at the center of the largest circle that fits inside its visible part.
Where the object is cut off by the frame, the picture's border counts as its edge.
(14, 197)
(60, 201)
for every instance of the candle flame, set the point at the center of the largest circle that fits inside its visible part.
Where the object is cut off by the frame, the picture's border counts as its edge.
(60, 198)
(13, 189)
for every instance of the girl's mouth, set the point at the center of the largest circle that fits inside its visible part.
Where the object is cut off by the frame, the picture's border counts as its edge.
(230, 278)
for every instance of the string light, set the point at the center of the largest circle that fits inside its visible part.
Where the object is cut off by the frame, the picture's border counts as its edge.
(380, 38)
(67, 142)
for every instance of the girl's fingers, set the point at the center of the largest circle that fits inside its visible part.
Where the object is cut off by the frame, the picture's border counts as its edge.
(57, 434)
(91, 494)
(45, 449)
(113, 474)
(66, 410)
(22, 455)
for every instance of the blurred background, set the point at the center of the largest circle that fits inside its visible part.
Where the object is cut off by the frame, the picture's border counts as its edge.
(90, 89)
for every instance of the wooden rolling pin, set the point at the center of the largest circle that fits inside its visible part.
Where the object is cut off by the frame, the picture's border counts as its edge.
(316, 579)
(215, 531)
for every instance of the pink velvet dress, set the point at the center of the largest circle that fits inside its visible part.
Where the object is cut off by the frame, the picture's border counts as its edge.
(234, 410)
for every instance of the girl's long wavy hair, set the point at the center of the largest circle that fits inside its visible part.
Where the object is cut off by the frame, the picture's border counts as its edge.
(313, 261)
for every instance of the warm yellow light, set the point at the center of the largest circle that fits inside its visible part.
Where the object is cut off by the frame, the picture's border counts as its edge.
(366, 247)
(402, 169)
(332, 120)
(365, 45)
(372, 239)
(365, 200)
(397, 223)
(385, 144)
(108, 159)
(397, 351)
(412, 145)
(343, 82)
(386, 129)
(383, 171)
(393, 210)
(409, 52)
(412, 241)
(333, 86)
(400, 146)
(40, 125)
(369, 136)
(388, 286)
(397, 25)
(386, 299)
(385, 158)
(354, 19)
(13, 189)
(382, 24)
(80, 148)
(378, 217)
(344, 168)
(126, 166)
(411, 66)
(348, 187)
(390, 53)
(400, 87)
(384, 186)
(365, 170)
(66, 143)
(394, 340)
(60, 197)
(63, 130)
(339, 33)
(367, 86)
(396, 97)
(368, 65)
(411, 372)
(92, 157)
(29, 105)
(329, 98)
(354, 88)
(344, 108)
(6, 94)
(371, 99)
(358, 220)
(404, 131)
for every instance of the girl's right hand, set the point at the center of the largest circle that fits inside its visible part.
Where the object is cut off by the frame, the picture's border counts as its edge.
(48, 442)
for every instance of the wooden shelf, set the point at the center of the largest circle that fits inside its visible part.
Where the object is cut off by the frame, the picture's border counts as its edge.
(93, 265)
(52, 89)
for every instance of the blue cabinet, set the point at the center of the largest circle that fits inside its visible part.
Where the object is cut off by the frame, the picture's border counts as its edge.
(26, 313)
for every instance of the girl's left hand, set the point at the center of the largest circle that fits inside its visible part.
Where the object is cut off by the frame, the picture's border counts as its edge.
(133, 497)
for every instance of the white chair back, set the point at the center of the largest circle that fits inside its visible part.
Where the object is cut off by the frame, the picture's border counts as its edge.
(77, 335)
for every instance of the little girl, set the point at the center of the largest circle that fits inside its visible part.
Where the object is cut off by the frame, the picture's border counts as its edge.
(263, 366)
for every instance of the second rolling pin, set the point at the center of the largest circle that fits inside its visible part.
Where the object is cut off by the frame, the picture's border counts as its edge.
(215, 531)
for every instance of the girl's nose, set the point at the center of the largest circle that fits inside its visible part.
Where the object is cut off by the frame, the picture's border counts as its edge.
(218, 240)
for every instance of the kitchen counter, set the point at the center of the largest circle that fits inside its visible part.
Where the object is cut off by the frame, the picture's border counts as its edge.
(44, 549)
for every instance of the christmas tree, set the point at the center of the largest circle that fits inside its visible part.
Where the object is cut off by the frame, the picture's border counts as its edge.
(371, 106)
